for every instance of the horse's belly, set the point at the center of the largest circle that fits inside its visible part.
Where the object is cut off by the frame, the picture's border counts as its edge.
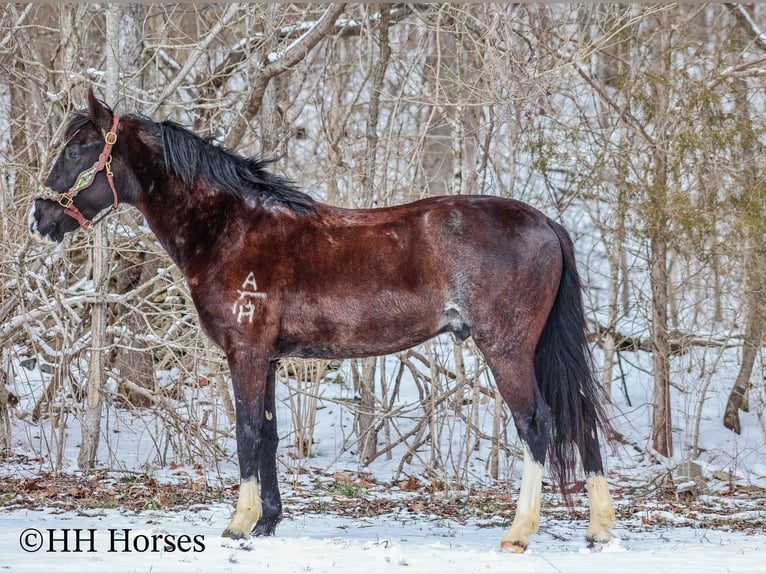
(370, 334)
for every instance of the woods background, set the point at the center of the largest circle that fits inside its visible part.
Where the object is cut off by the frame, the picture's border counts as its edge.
(640, 127)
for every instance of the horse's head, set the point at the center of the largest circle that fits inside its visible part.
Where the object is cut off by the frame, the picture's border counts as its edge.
(80, 185)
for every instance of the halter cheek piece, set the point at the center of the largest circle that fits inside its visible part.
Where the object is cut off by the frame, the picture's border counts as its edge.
(84, 181)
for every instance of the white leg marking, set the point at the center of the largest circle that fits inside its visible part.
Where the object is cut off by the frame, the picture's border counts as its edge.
(527, 518)
(248, 511)
(601, 509)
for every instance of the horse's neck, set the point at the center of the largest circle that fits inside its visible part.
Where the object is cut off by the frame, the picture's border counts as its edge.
(187, 229)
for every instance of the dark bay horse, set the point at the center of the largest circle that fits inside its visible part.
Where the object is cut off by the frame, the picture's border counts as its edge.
(274, 273)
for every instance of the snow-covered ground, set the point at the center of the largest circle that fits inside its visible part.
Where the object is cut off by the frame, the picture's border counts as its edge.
(720, 530)
(326, 543)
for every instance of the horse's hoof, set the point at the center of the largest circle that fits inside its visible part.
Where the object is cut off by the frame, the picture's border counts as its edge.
(235, 534)
(598, 537)
(515, 547)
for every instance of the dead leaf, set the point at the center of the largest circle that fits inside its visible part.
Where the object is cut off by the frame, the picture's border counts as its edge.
(342, 477)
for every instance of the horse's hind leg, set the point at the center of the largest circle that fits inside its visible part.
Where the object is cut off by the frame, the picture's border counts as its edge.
(272, 502)
(516, 382)
(599, 500)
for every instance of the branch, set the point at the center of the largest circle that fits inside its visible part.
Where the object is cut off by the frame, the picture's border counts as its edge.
(624, 114)
(169, 409)
(31, 315)
(199, 51)
(279, 63)
(750, 67)
(343, 28)
(745, 19)
(379, 75)
(16, 25)
(680, 343)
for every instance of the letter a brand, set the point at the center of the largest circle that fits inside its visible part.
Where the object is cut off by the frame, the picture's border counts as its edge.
(250, 281)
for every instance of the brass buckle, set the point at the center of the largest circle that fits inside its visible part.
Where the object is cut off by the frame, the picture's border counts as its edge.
(110, 138)
(69, 200)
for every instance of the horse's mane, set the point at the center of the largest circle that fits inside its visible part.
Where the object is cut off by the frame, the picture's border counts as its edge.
(193, 158)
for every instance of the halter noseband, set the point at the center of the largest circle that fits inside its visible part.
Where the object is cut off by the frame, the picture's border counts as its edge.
(85, 180)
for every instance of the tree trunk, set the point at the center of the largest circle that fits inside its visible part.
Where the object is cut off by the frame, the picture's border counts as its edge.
(6, 380)
(662, 436)
(271, 125)
(450, 144)
(91, 424)
(133, 362)
(755, 276)
(130, 50)
(364, 421)
(750, 347)
(364, 418)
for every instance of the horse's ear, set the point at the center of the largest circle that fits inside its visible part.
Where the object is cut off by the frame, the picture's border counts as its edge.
(99, 111)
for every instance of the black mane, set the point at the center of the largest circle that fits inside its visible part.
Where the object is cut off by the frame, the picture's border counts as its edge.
(193, 158)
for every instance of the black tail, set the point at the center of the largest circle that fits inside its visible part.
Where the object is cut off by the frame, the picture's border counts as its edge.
(564, 372)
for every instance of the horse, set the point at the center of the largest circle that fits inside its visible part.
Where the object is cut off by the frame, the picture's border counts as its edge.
(274, 273)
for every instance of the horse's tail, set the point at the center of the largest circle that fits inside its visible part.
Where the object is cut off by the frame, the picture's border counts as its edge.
(563, 368)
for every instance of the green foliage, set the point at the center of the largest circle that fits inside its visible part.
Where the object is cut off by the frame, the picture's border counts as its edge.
(347, 489)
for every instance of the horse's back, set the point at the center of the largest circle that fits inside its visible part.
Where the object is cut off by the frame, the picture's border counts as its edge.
(469, 261)
(489, 238)
(462, 238)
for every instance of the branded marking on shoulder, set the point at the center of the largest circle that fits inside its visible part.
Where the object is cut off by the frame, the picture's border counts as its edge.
(244, 306)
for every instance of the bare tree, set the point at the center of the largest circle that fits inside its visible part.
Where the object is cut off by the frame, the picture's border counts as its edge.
(630, 123)
(755, 274)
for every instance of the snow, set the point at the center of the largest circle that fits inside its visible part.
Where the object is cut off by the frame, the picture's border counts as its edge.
(315, 543)
(727, 536)
(721, 531)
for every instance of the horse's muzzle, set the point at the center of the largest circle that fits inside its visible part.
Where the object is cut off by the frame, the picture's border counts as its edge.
(51, 235)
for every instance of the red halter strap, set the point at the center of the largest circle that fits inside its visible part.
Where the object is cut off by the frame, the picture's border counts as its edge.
(85, 180)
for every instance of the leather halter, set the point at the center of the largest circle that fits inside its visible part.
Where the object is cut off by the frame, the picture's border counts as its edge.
(84, 180)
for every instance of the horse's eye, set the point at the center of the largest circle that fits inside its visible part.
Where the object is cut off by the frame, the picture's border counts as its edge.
(72, 154)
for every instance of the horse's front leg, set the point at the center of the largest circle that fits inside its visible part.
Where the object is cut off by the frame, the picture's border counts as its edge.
(272, 502)
(249, 376)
